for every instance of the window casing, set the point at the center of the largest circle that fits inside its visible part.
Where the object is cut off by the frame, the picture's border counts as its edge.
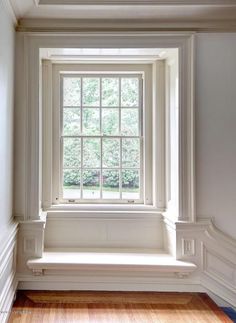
(143, 73)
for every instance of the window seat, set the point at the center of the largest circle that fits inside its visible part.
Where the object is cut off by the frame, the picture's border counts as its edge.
(107, 260)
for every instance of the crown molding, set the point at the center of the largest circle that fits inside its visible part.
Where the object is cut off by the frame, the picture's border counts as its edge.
(137, 2)
(7, 4)
(96, 25)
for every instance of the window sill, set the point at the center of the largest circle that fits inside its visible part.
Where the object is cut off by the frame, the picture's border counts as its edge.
(103, 211)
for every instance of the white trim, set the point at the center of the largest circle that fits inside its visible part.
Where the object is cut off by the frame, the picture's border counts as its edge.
(6, 243)
(8, 270)
(137, 2)
(47, 133)
(51, 179)
(7, 297)
(184, 41)
(158, 136)
(129, 283)
(114, 282)
(45, 25)
(187, 132)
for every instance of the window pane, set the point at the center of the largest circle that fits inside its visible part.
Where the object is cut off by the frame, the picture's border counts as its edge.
(91, 121)
(110, 92)
(91, 184)
(71, 121)
(130, 152)
(91, 92)
(110, 122)
(110, 186)
(130, 184)
(71, 91)
(71, 184)
(130, 122)
(111, 152)
(91, 153)
(71, 153)
(130, 92)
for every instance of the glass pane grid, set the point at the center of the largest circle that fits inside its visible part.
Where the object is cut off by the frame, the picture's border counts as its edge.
(106, 120)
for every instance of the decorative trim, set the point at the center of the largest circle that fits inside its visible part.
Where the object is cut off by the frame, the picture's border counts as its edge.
(94, 25)
(187, 131)
(8, 271)
(7, 297)
(38, 272)
(219, 267)
(29, 245)
(184, 41)
(7, 244)
(158, 128)
(137, 2)
(188, 247)
(47, 133)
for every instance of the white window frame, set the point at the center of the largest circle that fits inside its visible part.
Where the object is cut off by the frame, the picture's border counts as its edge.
(144, 71)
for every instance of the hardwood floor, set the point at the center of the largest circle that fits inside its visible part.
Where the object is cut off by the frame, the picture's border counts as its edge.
(114, 307)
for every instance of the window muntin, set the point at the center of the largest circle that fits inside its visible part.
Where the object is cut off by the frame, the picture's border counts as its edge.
(101, 149)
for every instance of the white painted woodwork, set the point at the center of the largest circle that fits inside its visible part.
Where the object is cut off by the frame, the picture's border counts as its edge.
(103, 231)
(30, 241)
(121, 260)
(8, 281)
(29, 56)
(137, 2)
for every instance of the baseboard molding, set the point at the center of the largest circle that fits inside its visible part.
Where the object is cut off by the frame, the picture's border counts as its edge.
(102, 283)
(8, 281)
(113, 282)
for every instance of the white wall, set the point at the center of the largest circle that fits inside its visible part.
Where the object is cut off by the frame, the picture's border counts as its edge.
(6, 115)
(216, 129)
(8, 230)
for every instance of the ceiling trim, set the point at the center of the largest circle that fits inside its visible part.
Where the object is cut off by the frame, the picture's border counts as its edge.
(96, 25)
(137, 2)
(10, 10)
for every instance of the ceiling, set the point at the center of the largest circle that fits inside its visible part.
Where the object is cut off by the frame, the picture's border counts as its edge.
(137, 9)
(158, 11)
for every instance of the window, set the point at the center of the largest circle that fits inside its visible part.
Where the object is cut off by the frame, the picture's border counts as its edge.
(101, 137)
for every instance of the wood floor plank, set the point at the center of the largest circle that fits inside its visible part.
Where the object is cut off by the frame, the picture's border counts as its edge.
(114, 307)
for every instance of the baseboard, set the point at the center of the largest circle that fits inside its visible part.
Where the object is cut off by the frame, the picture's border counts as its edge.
(8, 280)
(96, 283)
(91, 281)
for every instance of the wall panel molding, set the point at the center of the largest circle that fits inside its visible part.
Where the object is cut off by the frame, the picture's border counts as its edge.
(81, 25)
(212, 251)
(136, 2)
(8, 282)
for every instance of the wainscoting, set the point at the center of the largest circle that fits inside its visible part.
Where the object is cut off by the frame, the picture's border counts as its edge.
(8, 282)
